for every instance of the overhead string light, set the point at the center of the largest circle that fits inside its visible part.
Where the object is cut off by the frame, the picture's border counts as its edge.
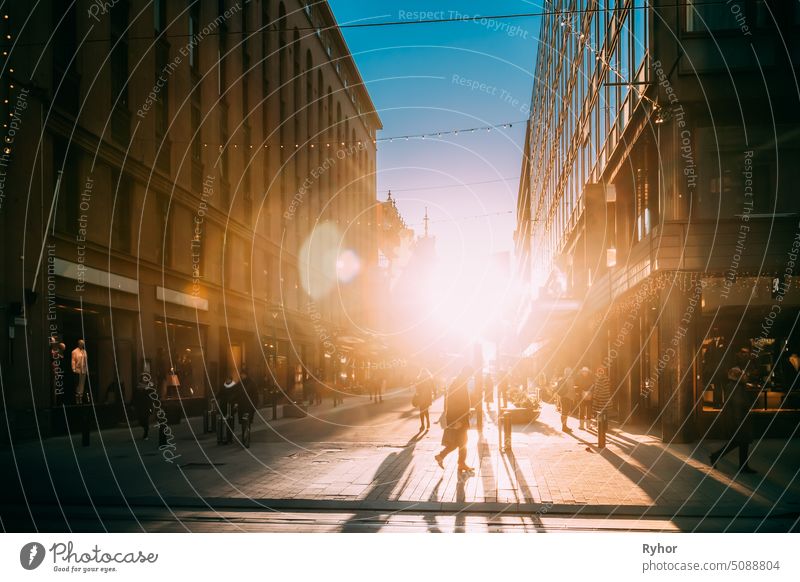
(358, 143)
(566, 23)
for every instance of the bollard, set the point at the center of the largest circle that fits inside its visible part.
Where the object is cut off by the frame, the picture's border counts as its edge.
(479, 414)
(507, 431)
(602, 427)
(85, 430)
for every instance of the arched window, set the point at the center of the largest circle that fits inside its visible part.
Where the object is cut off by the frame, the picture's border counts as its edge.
(296, 70)
(340, 176)
(281, 45)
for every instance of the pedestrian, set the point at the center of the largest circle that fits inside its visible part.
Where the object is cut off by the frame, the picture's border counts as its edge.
(566, 397)
(316, 386)
(735, 420)
(80, 369)
(308, 388)
(226, 396)
(336, 392)
(584, 385)
(423, 397)
(143, 403)
(601, 398)
(381, 386)
(456, 417)
(502, 390)
(488, 390)
(248, 396)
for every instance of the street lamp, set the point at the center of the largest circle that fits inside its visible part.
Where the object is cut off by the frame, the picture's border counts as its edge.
(274, 310)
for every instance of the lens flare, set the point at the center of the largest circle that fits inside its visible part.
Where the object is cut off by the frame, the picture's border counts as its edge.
(318, 264)
(348, 266)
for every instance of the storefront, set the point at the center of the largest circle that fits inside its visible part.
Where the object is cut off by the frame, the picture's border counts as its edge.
(180, 346)
(753, 325)
(110, 346)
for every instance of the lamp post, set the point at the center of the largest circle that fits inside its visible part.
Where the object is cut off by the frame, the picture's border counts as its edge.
(274, 311)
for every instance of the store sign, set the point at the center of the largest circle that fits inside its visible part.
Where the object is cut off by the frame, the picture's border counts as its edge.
(178, 298)
(84, 274)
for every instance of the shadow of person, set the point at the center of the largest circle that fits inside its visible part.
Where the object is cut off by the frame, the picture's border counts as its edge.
(394, 465)
(486, 467)
(430, 517)
(460, 524)
(519, 478)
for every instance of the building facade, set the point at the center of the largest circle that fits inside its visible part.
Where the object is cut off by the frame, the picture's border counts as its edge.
(658, 192)
(172, 170)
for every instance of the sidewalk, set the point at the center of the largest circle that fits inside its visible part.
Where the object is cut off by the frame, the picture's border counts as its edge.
(547, 472)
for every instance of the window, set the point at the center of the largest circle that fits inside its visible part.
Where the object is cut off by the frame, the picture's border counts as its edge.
(121, 220)
(296, 72)
(64, 72)
(162, 81)
(194, 27)
(245, 65)
(119, 54)
(640, 33)
(197, 150)
(702, 16)
(222, 50)
(159, 15)
(223, 153)
(68, 197)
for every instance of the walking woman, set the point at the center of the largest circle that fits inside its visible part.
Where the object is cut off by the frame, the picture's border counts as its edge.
(735, 420)
(423, 397)
(456, 413)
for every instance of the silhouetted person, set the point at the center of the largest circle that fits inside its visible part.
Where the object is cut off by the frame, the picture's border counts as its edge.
(735, 420)
(248, 395)
(143, 402)
(227, 395)
(308, 388)
(584, 385)
(601, 398)
(317, 386)
(424, 397)
(488, 390)
(502, 389)
(566, 397)
(456, 412)
(380, 388)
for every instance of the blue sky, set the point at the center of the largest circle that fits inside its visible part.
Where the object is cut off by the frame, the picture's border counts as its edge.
(431, 77)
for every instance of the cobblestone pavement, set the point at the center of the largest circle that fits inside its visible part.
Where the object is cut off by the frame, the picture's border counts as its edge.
(370, 455)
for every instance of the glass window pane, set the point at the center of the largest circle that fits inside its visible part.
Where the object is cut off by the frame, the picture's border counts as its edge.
(702, 16)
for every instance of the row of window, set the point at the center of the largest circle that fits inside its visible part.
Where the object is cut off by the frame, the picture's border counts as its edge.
(590, 71)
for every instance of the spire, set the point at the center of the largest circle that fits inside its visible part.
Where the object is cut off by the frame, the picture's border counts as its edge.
(425, 220)
(389, 199)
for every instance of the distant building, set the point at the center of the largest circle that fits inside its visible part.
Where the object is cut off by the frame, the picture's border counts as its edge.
(657, 217)
(199, 144)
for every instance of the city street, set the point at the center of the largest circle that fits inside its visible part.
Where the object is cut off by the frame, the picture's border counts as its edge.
(364, 466)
